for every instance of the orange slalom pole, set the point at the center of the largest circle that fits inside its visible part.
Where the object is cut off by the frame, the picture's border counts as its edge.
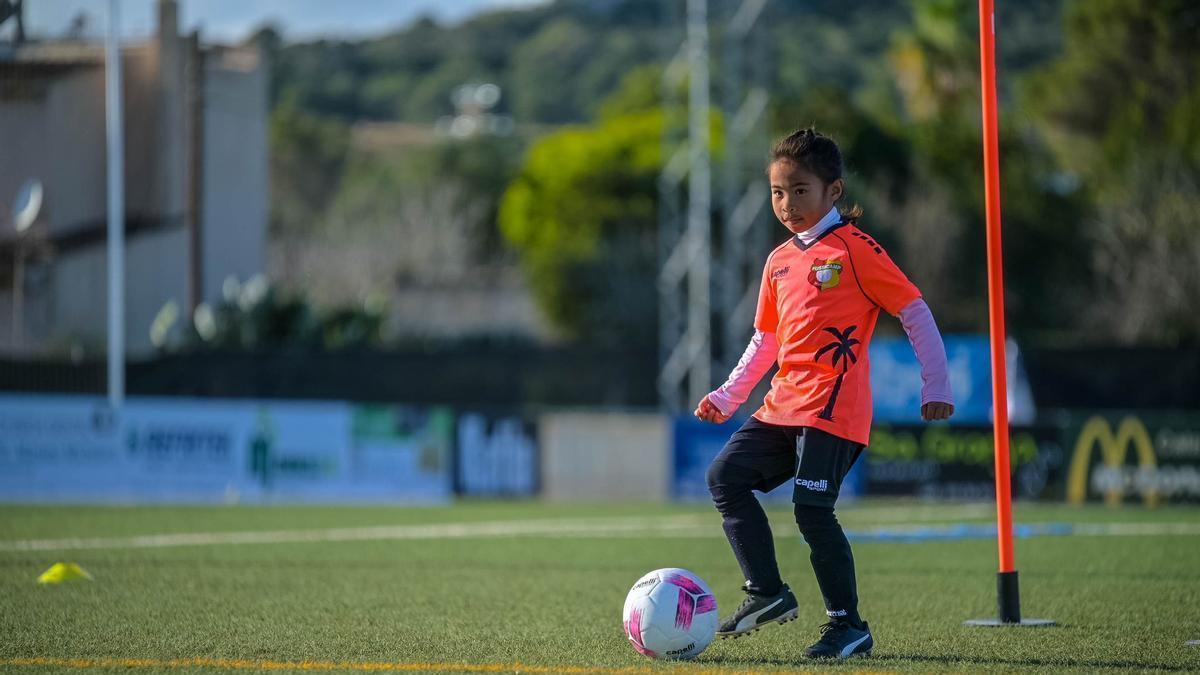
(1006, 585)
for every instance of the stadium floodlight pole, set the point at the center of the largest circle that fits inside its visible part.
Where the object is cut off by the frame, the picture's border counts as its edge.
(699, 210)
(116, 208)
(1007, 590)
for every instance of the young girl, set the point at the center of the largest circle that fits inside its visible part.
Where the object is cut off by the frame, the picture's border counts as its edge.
(821, 293)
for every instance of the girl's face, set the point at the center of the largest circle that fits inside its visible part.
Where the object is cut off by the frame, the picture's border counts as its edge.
(799, 198)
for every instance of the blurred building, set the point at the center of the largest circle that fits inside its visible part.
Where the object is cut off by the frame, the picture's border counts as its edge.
(196, 182)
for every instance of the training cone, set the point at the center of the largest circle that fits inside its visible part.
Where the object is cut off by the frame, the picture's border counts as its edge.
(60, 572)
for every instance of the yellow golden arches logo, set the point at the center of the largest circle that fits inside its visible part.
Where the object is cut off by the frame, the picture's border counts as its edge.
(1113, 449)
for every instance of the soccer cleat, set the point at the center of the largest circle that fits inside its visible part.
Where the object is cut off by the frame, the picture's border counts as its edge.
(759, 610)
(840, 640)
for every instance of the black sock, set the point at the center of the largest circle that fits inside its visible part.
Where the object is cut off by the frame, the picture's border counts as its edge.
(832, 562)
(745, 525)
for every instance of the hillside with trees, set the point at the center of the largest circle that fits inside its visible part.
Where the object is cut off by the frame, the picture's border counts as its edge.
(1100, 143)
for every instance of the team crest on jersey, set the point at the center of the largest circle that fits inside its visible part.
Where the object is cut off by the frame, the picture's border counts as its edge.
(825, 274)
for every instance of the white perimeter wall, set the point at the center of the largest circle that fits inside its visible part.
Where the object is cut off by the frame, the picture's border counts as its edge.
(153, 276)
(589, 456)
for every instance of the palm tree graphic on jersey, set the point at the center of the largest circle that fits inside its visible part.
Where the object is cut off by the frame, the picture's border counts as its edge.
(842, 348)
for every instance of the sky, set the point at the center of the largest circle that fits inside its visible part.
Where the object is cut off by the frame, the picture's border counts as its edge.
(232, 20)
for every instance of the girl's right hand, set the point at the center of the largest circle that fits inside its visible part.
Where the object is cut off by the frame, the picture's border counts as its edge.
(936, 410)
(707, 412)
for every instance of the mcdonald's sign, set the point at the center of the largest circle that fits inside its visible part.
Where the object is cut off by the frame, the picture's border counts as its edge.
(1112, 477)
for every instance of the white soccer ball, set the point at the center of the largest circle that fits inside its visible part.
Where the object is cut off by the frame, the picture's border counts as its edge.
(670, 614)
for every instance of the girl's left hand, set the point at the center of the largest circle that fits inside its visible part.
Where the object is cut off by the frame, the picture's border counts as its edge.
(935, 410)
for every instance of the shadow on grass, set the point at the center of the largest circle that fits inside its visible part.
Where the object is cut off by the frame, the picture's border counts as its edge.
(897, 659)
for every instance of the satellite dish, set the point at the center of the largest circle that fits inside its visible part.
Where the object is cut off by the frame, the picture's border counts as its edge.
(28, 204)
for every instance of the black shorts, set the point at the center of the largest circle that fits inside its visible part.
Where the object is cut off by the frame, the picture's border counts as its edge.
(816, 462)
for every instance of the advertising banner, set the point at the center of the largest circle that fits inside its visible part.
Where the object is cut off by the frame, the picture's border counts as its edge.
(57, 445)
(896, 381)
(402, 453)
(497, 456)
(183, 451)
(1147, 458)
(696, 443)
(205, 451)
(187, 450)
(957, 462)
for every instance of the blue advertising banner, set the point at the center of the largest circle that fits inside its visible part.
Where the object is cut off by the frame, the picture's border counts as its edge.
(58, 447)
(695, 443)
(497, 456)
(205, 451)
(896, 381)
(184, 451)
(402, 453)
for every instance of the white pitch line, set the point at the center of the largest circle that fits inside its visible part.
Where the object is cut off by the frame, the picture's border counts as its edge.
(678, 526)
(1136, 529)
(673, 527)
(561, 527)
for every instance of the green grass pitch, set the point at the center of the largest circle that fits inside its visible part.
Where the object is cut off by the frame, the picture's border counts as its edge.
(508, 586)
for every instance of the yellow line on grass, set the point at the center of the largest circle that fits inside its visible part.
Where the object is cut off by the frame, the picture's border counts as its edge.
(382, 666)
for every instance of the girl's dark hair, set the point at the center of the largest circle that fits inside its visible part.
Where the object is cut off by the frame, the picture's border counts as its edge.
(818, 154)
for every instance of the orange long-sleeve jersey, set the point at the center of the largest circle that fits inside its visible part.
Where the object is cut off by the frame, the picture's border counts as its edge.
(822, 300)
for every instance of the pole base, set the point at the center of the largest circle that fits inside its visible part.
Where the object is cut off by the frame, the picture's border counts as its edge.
(1008, 602)
(1023, 623)
(1008, 597)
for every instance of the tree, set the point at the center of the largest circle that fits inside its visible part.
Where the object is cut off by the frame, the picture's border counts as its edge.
(545, 72)
(582, 215)
(307, 157)
(1120, 108)
(935, 62)
(1124, 91)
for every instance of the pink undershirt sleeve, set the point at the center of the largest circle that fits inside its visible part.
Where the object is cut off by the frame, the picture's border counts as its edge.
(760, 354)
(931, 353)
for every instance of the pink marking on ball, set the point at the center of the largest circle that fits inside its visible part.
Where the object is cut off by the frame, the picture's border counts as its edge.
(705, 604)
(684, 610)
(686, 583)
(633, 630)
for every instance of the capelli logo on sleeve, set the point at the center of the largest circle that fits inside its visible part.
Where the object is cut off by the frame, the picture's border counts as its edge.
(781, 272)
